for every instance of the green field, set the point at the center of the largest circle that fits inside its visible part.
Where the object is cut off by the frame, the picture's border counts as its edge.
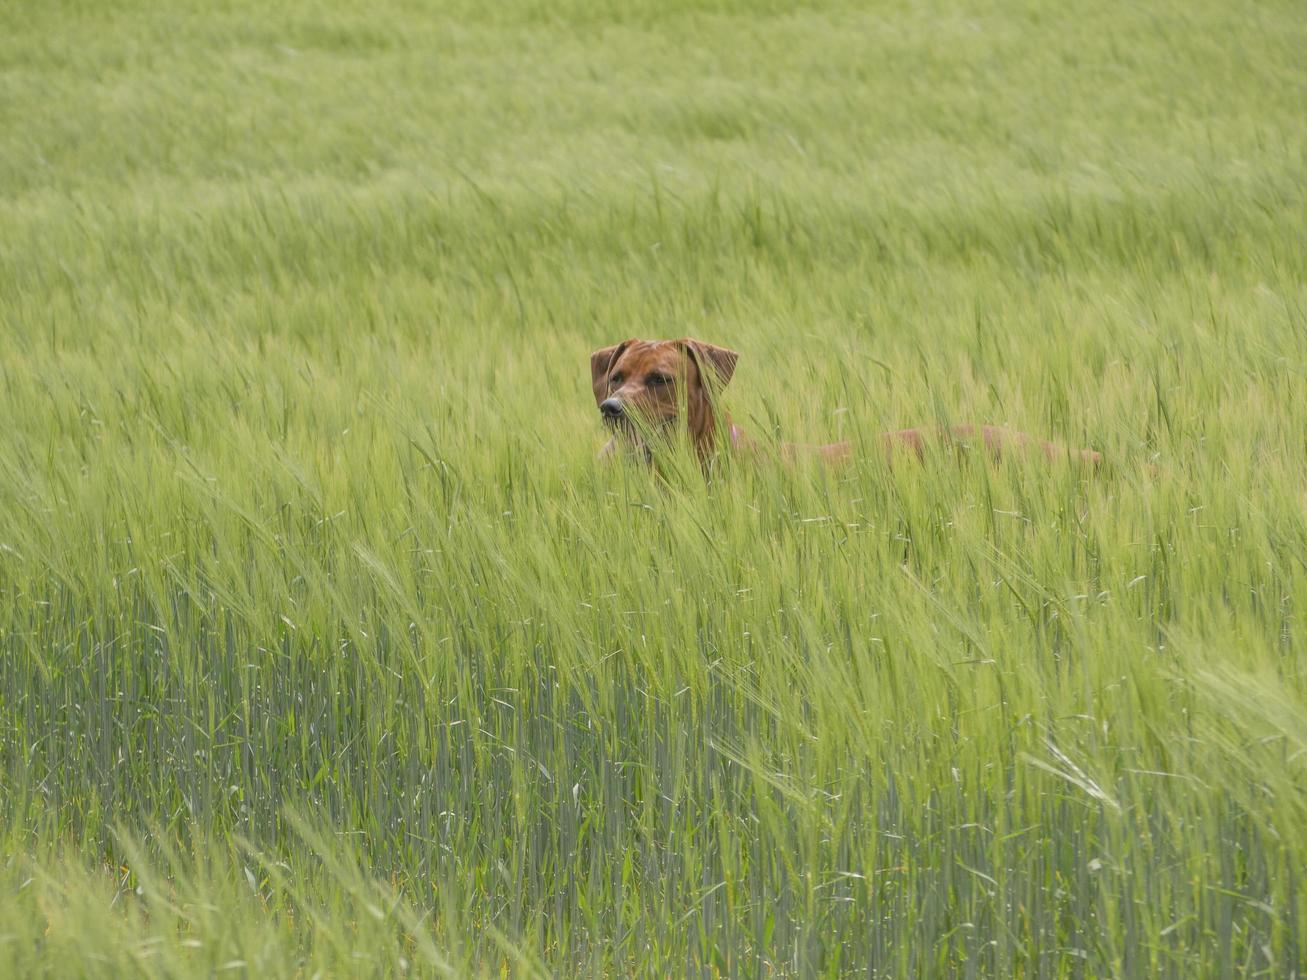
(326, 648)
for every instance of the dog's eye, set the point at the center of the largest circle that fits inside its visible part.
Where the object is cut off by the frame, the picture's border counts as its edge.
(617, 378)
(658, 379)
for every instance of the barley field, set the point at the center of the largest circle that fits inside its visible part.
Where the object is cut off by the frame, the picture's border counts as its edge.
(326, 648)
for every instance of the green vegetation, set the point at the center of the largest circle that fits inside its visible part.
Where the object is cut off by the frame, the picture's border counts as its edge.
(326, 648)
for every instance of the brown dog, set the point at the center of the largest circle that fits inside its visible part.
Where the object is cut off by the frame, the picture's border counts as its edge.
(643, 386)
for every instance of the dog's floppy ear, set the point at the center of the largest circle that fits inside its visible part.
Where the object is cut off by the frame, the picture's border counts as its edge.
(716, 364)
(601, 362)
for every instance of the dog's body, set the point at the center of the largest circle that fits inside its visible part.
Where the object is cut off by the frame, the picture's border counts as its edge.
(642, 388)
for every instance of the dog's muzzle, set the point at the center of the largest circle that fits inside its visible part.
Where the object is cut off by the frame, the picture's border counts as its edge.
(611, 409)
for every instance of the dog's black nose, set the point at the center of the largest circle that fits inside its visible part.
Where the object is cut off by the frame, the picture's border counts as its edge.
(611, 408)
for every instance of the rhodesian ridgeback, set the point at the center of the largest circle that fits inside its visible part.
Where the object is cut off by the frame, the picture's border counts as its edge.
(643, 387)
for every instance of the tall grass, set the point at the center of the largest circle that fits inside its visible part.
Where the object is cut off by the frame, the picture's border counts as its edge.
(327, 648)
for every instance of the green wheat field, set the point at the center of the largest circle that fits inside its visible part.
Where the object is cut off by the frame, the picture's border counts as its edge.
(328, 650)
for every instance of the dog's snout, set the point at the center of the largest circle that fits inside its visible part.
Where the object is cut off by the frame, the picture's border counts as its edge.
(611, 408)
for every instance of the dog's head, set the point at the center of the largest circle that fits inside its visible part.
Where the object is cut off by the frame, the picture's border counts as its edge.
(645, 387)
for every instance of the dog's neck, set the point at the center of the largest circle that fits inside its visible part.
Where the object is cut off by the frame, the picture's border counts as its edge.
(705, 438)
(704, 426)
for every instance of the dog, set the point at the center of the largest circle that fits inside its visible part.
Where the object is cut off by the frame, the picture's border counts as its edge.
(642, 387)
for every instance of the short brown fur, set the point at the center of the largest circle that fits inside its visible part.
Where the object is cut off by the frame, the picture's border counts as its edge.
(650, 380)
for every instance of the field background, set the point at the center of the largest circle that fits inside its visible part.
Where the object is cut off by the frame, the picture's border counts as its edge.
(327, 649)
